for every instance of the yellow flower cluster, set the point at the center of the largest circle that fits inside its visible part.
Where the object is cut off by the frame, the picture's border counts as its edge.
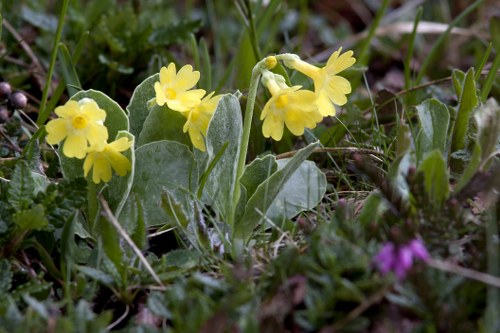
(81, 125)
(299, 109)
(175, 90)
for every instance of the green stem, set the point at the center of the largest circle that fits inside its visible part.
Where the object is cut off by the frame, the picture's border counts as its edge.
(44, 112)
(247, 125)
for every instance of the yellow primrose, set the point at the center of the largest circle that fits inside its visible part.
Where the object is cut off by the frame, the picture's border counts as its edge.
(329, 87)
(198, 119)
(174, 88)
(288, 106)
(104, 157)
(80, 123)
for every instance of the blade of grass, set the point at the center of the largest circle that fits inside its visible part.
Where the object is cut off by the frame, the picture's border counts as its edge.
(43, 113)
(442, 38)
(207, 68)
(68, 71)
(483, 62)
(411, 46)
(490, 78)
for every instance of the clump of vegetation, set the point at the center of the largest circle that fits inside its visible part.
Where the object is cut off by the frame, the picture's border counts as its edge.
(206, 175)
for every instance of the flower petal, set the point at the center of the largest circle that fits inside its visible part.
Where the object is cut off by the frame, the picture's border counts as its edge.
(56, 130)
(75, 146)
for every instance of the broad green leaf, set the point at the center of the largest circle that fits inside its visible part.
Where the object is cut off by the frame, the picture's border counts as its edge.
(303, 191)
(467, 103)
(257, 172)
(116, 118)
(163, 124)
(21, 187)
(435, 178)
(259, 203)
(224, 132)
(5, 276)
(159, 166)
(133, 220)
(119, 187)
(110, 242)
(488, 123)
(434, 122)
(138, 108)
(31, 219)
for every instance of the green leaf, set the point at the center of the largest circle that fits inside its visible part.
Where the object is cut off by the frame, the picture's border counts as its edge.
(458, 78)
(159, 166)
(163, 124)
(21, 187)
(467, 103)
(259, 203)
(488, 123)
(257, 172)
(5, 276)
(435, 178)
(96, 274)
(68, 70)
(224, 132)
(303, 191)
(31, 219)
(119, 187)
(434, 122)
(403, 140)
(133, 220)
(138, 108)
(373, 207)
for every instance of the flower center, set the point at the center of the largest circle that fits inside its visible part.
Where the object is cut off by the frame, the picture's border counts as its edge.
(170, 93)
(282, 101)
(79, 122)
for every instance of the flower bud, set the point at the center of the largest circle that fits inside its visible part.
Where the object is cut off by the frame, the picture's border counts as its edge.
(271, 62)
(5, 90)
(4, 114)
(18, 100)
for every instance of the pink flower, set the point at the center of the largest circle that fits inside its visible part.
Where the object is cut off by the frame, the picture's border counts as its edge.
(399, 258)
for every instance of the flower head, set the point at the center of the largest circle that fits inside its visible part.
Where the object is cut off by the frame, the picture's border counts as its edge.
(174, 88)
(399, 259)
(106, 156)
(329, 87)
(288, 106)
(80, 124)
(198, 118)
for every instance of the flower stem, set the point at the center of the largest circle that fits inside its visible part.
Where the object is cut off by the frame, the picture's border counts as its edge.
(44, 113)
(247, 125)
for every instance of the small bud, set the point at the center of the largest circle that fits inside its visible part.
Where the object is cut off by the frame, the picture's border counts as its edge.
(4, 114)
(5, 90)
(271, 62)
(18, 100)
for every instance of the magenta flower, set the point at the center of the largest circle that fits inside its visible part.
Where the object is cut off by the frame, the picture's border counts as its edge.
(399, 258)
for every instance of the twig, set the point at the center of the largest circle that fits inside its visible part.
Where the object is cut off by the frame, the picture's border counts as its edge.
(119, 320)
(111, 218)
(466, 272)
(340, 150)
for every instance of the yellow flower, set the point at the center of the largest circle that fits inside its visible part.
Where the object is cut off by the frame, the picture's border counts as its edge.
(288, 106)
(104, 157)
(174, 88)
(198, 119)
(80, 123)
(329, 87)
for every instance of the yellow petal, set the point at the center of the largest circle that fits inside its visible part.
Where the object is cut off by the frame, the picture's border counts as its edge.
(87, 164)
(119, 162)
(121, 144)
(273, 127)
(56, 130)
(92, 110)
(187, 78)
(161, 99)
(197, 139)
(75, 146)
(67, 110)
(97, 134)
(337, 63)
(325, 106)
(167, 75)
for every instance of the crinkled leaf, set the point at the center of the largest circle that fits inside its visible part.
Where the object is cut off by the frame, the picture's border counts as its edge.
(163, 124)
(31, 219)
(21, 187)
(435, 174)
(434, 121)
(138, 108)
(259, 203)
(303, 191)
(257, 172)
(224, 132)
(161, 165)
